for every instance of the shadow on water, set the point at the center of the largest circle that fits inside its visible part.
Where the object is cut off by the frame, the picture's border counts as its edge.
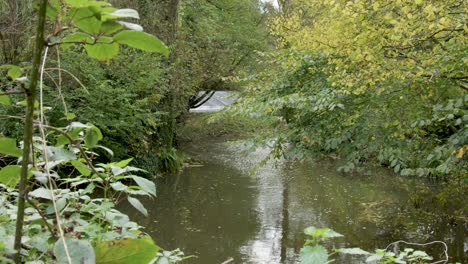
(217, 211)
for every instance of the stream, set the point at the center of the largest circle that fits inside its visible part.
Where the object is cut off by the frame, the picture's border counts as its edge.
(217, 211)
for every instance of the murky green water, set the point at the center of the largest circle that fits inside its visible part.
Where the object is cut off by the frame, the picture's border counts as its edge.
(216, 211)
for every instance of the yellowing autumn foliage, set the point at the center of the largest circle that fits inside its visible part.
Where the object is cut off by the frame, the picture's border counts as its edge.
(372, 41)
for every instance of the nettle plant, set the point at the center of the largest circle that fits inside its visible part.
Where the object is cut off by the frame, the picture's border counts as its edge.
(56, 203)
(314, 252)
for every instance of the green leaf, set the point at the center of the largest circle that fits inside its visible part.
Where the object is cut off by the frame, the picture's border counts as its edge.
(126, 12)
(141, 250)
(313, 255)
(80, 251)
(70, 116)
(131, 26)
(330, 233)
(110, 27)
(85, 3)
(51, 9)
(60, 154)
(41, 193)
(81, 167)
(118, 186)
(10, 175)
(87, 20)
(13, 71)
(123, 163)
(8, 147)
(5, 100)
(61, 140)
(142, 41)
(102, 51)
(146, 185)
(321, 232)
(92, 136)
(138, 205)
(80, 37)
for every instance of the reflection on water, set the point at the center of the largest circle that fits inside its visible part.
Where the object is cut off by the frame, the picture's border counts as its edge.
(216, 211)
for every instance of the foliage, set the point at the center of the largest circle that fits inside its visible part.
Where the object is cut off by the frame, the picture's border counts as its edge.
(313, 252)
(121, 98)
(59, 178)
(384, 83)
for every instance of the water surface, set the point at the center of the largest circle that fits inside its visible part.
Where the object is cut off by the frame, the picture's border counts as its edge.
(217, 211)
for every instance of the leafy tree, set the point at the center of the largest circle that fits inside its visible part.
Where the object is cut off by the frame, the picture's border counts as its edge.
(97, 26)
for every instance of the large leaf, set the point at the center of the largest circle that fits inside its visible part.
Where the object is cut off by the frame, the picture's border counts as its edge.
(5, 100)
(92, 137)
(85, 3)
(321, 232)
(142, 41)
(313, 255)
(81, 167)
(80, 251)
(138, 205)
(87, 20)
(146, 185)
(131, 26)
(77, 37)
(123, 163)
(102, 51)
(126, 12)
(42, 193)
(129, 251)
(13, 71)
(59, 154)
(110, 27)
(8, 147)
(10, 175)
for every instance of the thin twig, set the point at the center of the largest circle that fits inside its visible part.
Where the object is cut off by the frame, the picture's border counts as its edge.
(46, 159)
(44, 218)
(72, 75)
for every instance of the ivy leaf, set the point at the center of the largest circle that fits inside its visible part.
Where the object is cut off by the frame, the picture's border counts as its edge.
(142, 41)
(102, 51)
(138, 205)
(145, 184)
(81, 251)
(313, 255)
(10, 175)
(8, 147)
(141, 250)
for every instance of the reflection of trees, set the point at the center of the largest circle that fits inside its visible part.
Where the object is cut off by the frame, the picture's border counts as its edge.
(285, 221)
